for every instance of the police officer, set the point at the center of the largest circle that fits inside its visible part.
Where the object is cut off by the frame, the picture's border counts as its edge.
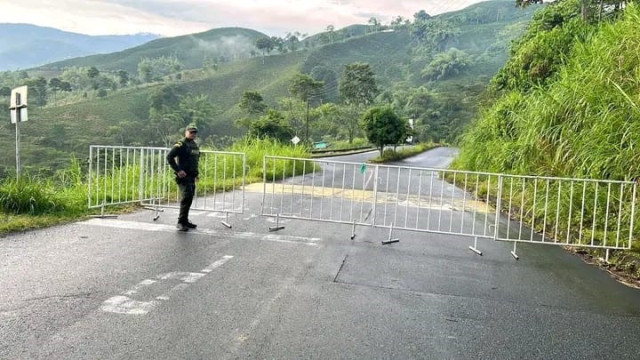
(187, 154)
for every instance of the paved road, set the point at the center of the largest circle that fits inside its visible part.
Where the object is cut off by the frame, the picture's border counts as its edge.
(132, 288)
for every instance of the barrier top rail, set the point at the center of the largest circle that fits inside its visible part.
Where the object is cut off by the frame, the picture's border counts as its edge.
(627, 182)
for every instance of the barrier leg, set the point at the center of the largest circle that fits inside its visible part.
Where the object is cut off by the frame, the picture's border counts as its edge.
(474, 248)
(390, 240)
(353, 232)
(103, 215)
(277, 227)
(226, 222)
(513, 253)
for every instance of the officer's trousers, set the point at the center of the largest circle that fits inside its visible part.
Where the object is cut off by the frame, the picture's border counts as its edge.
(187, 188)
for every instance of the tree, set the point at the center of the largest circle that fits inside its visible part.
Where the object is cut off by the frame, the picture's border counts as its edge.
(65, 86)
(54, 85)
(163, 99)
(375, 23)
(5, 91)
(358, 84)
(123, 77)
(330, 30)
(39, 87)
(93, 72)
(448, 64)
(252, 104)
(330, 80)
(266, 45)
(421, 16)
(304, 87)
(272, 126)
(383, 127)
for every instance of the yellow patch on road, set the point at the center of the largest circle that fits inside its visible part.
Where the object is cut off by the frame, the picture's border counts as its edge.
(424, 202)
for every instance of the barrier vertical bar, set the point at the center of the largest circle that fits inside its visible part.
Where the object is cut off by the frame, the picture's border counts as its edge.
(633, 213)
(264, 182)
(406, 209)
(453, 188)
(595, 214)
(606, 218)
(619, 216)
(498, 207)
(374, 205)
(558, 211)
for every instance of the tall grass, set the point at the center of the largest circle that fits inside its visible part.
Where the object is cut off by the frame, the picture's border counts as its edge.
(63, 194)
(583, 124)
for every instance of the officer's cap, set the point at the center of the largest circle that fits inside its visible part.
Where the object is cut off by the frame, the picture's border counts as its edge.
(192, 128)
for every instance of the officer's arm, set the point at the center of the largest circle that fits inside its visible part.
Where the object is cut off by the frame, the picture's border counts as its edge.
(171, 156)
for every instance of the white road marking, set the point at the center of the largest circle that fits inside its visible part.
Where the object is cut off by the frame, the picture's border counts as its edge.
(121, 304)
(216, 264)
(125, 305)
(174, 290)
(187, 277)
(142, 226)
(140, 285)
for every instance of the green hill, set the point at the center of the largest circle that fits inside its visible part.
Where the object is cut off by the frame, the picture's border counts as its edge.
(399, 59)
(191, 50)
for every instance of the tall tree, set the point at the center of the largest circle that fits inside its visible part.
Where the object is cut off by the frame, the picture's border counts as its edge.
(375, 23)
(358, 84)
(252, 104)
(265, 45)
(421, 16)
(304, 87)
(330, 30)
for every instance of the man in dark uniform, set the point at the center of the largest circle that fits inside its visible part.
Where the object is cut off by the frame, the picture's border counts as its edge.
(187, 154)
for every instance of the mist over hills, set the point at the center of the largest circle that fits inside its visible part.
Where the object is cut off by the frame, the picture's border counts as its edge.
(234, 43)
(23, 46)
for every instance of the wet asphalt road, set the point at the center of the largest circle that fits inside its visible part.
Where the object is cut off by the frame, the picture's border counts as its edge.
(132, 288)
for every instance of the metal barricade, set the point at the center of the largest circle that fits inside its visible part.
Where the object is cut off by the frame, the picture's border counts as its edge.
(123, 175)
(568, 212)
(424, 200)
(115, 175)
(541, 210)
(328, 191)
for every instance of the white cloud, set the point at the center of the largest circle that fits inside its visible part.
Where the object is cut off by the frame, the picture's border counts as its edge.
(176, 17)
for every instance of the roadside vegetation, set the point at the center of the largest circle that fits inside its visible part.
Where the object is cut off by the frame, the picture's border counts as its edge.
(565, 105)
(391, 155)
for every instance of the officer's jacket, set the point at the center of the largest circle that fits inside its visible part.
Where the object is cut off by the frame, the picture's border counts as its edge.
(187, 154)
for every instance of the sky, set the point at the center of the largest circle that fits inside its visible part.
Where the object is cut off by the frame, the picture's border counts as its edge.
(179, 17)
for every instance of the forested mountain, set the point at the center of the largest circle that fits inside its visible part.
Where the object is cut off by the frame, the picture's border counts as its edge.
(433, 70)
(24, 46)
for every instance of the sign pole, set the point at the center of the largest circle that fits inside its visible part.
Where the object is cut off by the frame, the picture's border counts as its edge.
(18, 102)
(17, 143)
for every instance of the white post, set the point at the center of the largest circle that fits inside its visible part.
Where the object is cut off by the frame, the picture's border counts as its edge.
(17, 143)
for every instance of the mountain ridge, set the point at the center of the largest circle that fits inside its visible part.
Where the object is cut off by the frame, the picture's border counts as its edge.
(39, 45)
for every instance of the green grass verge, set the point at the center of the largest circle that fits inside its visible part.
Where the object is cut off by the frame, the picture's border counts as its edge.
(391, 156)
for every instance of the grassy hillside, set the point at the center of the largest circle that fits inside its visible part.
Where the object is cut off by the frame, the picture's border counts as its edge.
(191, 50)
(567, 107)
